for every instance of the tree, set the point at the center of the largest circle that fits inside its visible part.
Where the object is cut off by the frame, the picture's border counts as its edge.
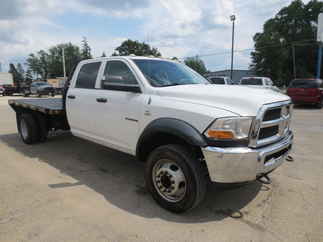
(28, 77)
(129, 47)
(294, 25)
(196, 64)
(72, 56)
(103, 54)
(21, 70)
(49, 63)
(86, 50)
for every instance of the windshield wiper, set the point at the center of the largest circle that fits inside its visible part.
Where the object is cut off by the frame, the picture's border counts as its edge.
(173, 84)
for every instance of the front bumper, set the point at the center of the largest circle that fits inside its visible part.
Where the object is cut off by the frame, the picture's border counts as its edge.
(242, 164)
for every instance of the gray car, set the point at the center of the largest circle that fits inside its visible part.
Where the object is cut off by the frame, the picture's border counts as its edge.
(39, 88)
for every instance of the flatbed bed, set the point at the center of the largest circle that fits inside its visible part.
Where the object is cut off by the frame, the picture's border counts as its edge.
(51, 106)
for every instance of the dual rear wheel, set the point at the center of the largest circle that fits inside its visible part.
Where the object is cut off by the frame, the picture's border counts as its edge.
(32, 128)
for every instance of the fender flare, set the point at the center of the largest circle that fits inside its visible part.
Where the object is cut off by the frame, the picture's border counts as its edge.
(171, 126)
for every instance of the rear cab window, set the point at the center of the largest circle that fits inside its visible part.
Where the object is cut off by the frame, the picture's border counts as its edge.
(251, 81)
(305, 84)
(87, 75)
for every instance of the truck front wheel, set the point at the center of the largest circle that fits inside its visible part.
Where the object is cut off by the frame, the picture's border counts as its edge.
(176, 179)
(27, 128)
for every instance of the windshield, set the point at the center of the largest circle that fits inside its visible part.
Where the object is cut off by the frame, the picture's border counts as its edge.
(217, 80)
(304, 84)
(251, 81)
(165, 73)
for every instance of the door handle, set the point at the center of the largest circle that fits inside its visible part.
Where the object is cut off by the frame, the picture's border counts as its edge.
(101, 100)
(71, 96)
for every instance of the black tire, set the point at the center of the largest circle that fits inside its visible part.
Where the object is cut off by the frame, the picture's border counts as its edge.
(32, 129)
(195, 173)
(52, 94)
(26, 94)
(42, 125)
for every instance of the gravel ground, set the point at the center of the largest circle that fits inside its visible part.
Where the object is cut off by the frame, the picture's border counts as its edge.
(69, 189)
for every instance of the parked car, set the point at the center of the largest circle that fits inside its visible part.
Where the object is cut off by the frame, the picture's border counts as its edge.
(220, 80)
(186, 131)
(39, 88)
(306, 91)
(8, 90)
(263, 82)
(1, 90)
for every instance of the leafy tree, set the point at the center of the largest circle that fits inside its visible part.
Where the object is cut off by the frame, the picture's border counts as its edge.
(103, 54)
(196, 64)
(28, 77)
(294, 25)
(86, 50)
(72, 55)
(50, 64)
(21, 70)
(129, 47)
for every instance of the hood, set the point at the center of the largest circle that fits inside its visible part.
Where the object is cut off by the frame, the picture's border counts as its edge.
(240, 100)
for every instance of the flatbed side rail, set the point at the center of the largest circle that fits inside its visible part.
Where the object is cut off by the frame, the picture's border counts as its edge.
(51, 106)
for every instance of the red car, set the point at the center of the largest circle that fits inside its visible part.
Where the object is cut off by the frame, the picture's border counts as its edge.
(306, 91)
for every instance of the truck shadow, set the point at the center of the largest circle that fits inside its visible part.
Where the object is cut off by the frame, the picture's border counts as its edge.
(119, 178)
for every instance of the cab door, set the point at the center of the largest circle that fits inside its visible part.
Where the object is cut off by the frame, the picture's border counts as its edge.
(81, 103)
(120, 107)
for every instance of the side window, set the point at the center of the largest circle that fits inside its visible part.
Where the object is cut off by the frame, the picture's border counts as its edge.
(119, 73)
(87, 75)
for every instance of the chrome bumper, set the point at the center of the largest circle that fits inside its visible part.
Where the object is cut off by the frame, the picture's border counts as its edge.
(242, 164)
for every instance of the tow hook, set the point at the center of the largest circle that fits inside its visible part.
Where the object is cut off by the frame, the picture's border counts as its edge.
(264, 179)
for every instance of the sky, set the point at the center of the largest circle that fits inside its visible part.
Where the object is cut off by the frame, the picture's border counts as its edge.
(178, 28)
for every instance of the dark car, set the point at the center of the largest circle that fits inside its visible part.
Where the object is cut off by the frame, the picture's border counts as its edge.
(39, 88)
(7, 90)
(306, 91)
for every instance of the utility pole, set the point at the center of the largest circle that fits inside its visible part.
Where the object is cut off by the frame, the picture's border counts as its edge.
(63, 56)
(294, 61)
(320, 44)
(319, 61)
(232, 18)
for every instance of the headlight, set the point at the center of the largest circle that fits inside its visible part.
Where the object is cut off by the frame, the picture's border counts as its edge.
(235, 128)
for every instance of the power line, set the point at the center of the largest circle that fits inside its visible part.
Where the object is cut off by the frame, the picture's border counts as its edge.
(299, 43)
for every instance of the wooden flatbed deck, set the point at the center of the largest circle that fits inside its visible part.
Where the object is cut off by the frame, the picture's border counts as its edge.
(53, 106)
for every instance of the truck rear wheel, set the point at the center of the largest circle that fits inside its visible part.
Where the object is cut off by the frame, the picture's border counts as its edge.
(28, 128)
(175, 178)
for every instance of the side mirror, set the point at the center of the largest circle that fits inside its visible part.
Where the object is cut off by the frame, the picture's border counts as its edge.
(112, 84)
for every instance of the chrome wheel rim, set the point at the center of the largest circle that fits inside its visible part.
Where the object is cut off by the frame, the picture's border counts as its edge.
(169, 180)
(23, 129)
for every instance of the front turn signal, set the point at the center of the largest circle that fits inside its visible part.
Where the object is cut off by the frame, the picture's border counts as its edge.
(220, 134)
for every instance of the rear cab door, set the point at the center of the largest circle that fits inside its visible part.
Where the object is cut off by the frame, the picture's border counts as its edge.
(81, 104)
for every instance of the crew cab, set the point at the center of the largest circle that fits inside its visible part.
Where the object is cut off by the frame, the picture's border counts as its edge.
(187, 131)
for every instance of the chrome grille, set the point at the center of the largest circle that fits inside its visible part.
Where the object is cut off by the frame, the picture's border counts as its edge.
(271, 124)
